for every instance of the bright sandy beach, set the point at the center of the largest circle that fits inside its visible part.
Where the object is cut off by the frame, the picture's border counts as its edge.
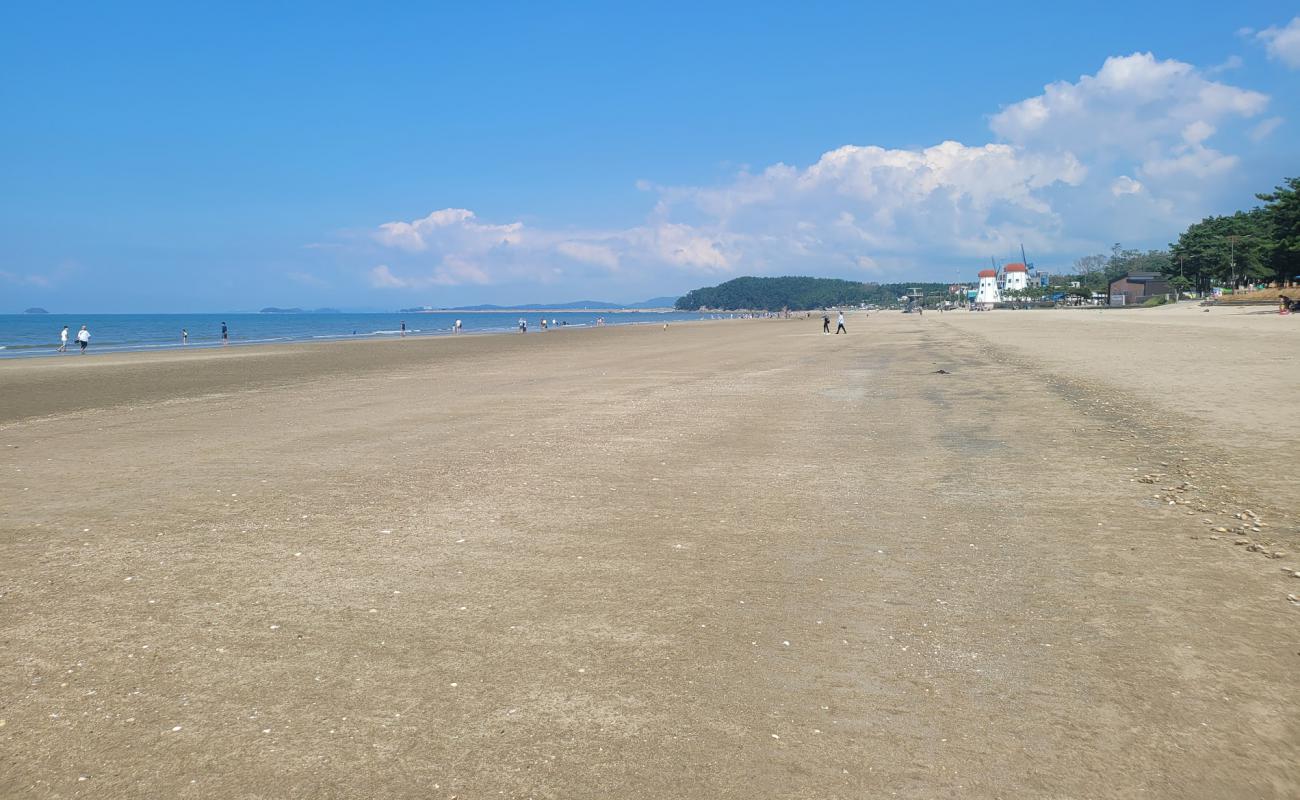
(729, 559)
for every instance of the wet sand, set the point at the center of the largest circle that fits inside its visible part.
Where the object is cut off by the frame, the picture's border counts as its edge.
(734, 559)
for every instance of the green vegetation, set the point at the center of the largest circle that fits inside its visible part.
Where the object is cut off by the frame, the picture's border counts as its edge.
(1261, 245)
(799, 294)
(1095, 272)
(1248, 247)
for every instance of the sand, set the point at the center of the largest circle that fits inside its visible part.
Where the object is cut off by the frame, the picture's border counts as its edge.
(731, 559)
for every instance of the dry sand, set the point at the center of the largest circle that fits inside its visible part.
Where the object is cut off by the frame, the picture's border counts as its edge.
(735, 559)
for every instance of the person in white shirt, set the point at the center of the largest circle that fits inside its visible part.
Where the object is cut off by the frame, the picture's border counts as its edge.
(63, 340)
(840, 325)
(83, 338)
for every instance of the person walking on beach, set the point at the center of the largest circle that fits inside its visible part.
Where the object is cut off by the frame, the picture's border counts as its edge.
(457, 328)
(63, 340)
(225, 334)
(403, 328)
(185, 336)
(83, 338)
(826, 324)
(523, 325)
(839, 327)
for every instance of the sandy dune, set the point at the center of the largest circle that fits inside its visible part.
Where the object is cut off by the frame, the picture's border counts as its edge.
(735, 559)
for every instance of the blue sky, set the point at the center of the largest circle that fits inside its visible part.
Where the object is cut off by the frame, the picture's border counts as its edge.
(229, 156)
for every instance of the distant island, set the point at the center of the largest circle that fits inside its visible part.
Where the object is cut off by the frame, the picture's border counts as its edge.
(574, 305)
(797, 294)
(274, 310)
(35, 310)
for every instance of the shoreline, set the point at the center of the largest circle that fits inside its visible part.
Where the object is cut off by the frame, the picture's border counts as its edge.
(35, 387)
(10, 353)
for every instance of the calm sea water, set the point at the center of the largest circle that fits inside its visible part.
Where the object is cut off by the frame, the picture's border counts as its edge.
(31, 335)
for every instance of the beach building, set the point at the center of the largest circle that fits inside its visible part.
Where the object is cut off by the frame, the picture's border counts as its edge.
(1135, 288)
(1015, 278)
(987, 294)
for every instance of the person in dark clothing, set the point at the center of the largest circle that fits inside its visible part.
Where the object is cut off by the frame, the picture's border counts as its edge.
(225, 334)
(826, 324)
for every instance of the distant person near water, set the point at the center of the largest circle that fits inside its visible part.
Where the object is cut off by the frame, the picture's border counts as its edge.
(839, 327)
(403, 327)
(185, 336)
(225, 335)
(83, 338)
(826, 324)
(523, 325)
(63, 340)
(456, 329)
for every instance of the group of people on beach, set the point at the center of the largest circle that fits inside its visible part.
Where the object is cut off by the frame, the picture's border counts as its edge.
(83, 337)
(839, 328)
(554, 323)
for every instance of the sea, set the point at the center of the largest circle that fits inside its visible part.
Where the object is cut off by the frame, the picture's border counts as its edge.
(37, 335)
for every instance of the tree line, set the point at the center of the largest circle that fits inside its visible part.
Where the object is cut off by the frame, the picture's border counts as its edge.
(797, 294)
(1261, 245)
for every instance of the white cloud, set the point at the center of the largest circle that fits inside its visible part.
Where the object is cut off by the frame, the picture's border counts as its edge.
(457, 224)
(1283, 44)
(381, 277)
(1123, 154)
(685, 246)
(590, 253)
(1197, 132)
(1125, 185)
(1265, 129)
(1230, 63)
(1132, 105)
(1197, 161)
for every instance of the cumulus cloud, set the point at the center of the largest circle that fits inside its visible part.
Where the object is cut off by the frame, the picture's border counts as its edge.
(381, 277)
(589, 253)
(1132, 105)
(1125, 185)
(1125, 150)
(1199, 162)
(455, 224)
(1283, 44)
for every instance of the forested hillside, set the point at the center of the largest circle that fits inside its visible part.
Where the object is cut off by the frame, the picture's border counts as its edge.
(797, 294)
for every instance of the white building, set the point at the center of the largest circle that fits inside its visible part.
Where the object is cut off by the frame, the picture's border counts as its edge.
(1015, 278)
(988, 293)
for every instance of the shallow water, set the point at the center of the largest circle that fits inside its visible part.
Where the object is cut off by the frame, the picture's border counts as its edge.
(32, 335)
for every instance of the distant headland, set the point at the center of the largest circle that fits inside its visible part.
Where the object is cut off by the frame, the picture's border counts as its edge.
(35, 310)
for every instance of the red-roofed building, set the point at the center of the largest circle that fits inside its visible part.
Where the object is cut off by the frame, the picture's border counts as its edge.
(988, 292)
(1015, 278)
